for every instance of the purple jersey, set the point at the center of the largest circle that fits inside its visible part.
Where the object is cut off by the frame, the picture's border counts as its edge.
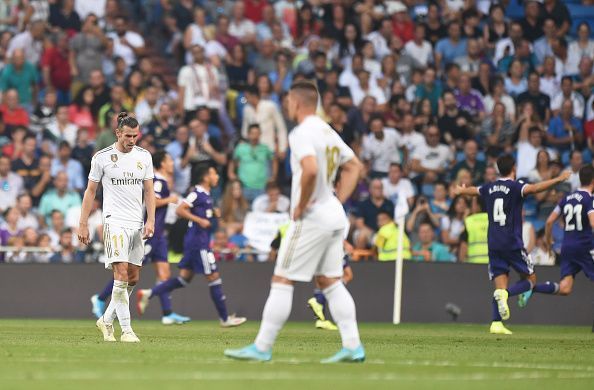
(201, 205)
(161, 192)
(503, 200)
(575, 208)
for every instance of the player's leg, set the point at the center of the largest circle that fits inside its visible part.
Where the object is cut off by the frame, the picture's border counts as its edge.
(163, 271)
(215, 286)
(98, 300)
(184, 278)
(340, 302)
(317, 303)
(498, 309)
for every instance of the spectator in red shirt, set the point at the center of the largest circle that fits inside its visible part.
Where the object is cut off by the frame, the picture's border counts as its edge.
(12, 113)
(223, 36)
(56, 68)
(404, 28)
(253, 9)
(80, 113)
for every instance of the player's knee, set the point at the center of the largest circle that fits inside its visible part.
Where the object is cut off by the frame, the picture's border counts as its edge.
(280, 279)
(133, 279)
(163, 275)
(324, 282)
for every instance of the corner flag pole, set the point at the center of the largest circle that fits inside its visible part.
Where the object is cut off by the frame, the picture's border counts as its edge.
(399, 215)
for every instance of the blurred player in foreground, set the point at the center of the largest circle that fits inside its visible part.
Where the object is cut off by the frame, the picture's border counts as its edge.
(313, 246)
(577, 250)
(198, 209)
(504, 199)
(156, 246)
(126, 173)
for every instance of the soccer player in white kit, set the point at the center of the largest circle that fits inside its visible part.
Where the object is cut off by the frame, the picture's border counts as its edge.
(313, 244)
(126, 173)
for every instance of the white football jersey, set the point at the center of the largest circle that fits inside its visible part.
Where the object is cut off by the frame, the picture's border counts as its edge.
(314, 137)
(122, 176)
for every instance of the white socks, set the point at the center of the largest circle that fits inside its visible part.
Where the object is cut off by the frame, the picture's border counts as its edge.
(119, 306)
(342, 308)
(276, 313)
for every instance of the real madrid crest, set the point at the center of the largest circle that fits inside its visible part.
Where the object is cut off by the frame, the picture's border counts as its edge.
(114, 157)
(139, 165)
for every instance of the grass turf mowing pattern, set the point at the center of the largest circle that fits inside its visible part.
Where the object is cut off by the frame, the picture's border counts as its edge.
(57, 354)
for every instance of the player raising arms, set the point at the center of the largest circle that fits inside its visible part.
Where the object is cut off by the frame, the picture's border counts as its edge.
(313, 243)
(126, 173)
(504, 199)
(198, 209)
(156, 246)
(577, 249)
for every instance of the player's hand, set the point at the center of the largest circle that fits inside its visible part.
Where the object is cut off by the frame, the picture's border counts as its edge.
(149, 230)
(217, 212)
(83, 234)
(458, 189)
(173, 198)
(298, 213)
(565, 175)
(204, 223)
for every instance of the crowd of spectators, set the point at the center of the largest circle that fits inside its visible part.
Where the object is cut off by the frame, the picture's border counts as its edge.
(427, 93)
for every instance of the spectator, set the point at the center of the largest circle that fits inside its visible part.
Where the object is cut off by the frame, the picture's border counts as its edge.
(266, 115)
(272, 201)
(497, 131)
(264, 62)
(396, 185)
(452, 224)
(427, 249)
(523, 54)
(239, 73)
(531, 22)
(11, 185)
(567, 93)
(59, 198)
(44, 113)
(367, 212)
(234, 208)
(559, 13)
(470, 62)
(468, 99)
(338, 121)
(430, 89)
(55, 228)
(496, 27)
(434, 28)
(9, 227)
(126, 43)
(454, 124)
(13, 114)
(240, 27)
(418, 47)
(203, 149)
(529, 143)
(584, 79)
(148, 108)
(45, 179)
(79, 112)
(430, 161)
(222, 249)
(162, 127)
(14, 149)
(61, 129)
(23, 77)
(111, 109)
(539, 100)
(65, 163)
(471, 163)
(198, 85)
(56, 70)
(549, 82)
(576, 161)
(255, 164)
(27, 219)
(30, 41)
(83, 152)
(515, 82)
(194, 32)
(542, 168)
(565, 130)
(386, 239)
(86, 49)
(543, 47)
(450, 48)
(101, 91)
(498, 95)
(26, 165)
(380, 148)
(582, 47)
(65, 17)
(562, 65)
(506, 46)
(440, 203)
(67, 253)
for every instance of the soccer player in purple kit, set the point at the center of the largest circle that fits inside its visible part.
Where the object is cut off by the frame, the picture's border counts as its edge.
(156, 247)
(504, 199)
(198, 209)
(577, 250)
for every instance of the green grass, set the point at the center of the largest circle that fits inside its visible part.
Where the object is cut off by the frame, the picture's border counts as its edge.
(70, 355)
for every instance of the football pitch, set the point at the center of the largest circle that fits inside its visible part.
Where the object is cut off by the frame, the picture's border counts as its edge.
(61, 354)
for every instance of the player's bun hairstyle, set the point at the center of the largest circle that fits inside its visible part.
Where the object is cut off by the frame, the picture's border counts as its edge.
(505, 164)
(126, 119)
(158, 158)
(586, 175)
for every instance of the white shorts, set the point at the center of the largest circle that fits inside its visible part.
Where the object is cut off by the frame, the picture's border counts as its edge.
(122, 245)
(307, 251)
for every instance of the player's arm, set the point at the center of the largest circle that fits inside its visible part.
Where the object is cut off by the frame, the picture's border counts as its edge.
(468, 191)
(548, 236)
(347, 275)
(309, 171)
(87, 205)
(149, 200)
(349, 177)
(545, 185)
(183, 211)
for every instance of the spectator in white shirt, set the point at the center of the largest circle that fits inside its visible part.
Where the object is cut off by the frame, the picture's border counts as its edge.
(31, 41)
(365, 87)
(419, 48)
(27, 219)
(272, 201)
(241, 27)
(126, 44)
(147, 109)
(529, 144)
(396, 185)
(576, 161)
(567, 93)
(380, 148)
(431, 161)
(11, 184)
